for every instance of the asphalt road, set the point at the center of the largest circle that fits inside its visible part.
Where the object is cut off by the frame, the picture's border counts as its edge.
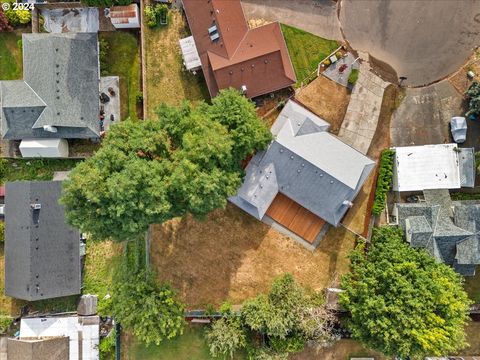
(316, 16)
(424, 114)
(423, 40)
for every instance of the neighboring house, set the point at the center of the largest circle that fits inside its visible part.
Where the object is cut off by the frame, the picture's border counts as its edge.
(82, 332)
(305, 179)
(254, 61)
(58, 96)
(441, 166)
(450, 231)
(124, 17)
(42, 252)
(47, 348)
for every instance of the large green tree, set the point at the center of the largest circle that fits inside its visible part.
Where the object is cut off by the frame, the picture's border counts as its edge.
(402, 302)
(187, 161)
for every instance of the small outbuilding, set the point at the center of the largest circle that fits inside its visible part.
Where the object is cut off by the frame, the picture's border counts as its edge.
(46, 148)
(191, 59)
(47, 348)
(125, 17)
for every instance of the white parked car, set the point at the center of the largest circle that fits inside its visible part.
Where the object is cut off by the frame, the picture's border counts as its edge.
(458, 127)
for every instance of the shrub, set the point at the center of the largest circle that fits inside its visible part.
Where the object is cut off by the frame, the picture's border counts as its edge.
(139, 97)
(353, 77)
(107, 346)
(338, 54)
(5, 322)
(17, 17)
(384, 181)
(155, 13)
(327, 62)
(226, 336)
(4, 24)
(2, 231)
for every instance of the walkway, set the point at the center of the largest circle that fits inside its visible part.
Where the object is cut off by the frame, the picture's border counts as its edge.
(360, 122)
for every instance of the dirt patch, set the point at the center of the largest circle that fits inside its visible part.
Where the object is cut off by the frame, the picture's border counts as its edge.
(460, 81)
(343, 349)
(232, 256)
(384, 70)
(327, 99)
(254, 23)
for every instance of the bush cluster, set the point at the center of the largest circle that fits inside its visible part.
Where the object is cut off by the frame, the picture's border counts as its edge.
(353, 77)
(17, 17)
(384, 181)
(154, 13)
(473, 94)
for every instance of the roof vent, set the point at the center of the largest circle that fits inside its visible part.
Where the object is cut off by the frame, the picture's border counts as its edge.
(50, 128)
(36, 206)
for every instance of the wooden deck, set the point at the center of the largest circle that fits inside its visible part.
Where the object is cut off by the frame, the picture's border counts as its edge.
(295, 218)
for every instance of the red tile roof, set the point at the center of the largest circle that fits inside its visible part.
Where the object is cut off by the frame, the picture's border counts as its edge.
(257, 58)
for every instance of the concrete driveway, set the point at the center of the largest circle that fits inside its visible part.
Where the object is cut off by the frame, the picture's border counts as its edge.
(316, 16)
(423, 116)
(424, 40)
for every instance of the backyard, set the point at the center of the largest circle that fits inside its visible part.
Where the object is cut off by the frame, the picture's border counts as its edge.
(306, 51)
(10, 56)
(123, 59)
(166, 79)
(232, 256)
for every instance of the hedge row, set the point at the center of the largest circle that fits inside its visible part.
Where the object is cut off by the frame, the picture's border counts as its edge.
(384, 181)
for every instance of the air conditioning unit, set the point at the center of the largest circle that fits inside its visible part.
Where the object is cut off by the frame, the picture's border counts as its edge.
(50, 128)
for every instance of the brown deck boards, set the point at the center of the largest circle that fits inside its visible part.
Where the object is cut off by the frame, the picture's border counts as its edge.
(295, 218)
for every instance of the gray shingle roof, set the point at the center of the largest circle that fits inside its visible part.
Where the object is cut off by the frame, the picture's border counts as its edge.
(42, 253)
(308, 165)
(452, 240)
(60, 88)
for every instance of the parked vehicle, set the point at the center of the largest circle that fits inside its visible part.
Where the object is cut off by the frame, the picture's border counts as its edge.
(458, 127)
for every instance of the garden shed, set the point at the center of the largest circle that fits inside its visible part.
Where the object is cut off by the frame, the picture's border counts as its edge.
(191, 59)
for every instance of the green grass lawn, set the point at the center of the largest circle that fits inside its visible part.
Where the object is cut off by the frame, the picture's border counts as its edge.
(306, 50)
(10, 56)
(123, 59)
(190, 346)
(33, 169)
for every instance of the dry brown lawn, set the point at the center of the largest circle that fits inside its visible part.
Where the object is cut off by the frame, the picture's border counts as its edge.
(341, 350)
(232, 256)
(327, 99)
(166, 79)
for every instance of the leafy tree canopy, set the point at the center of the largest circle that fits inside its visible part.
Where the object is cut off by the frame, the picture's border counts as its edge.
(187, 161)
(4, 24)
(150, 310)
(402, 302)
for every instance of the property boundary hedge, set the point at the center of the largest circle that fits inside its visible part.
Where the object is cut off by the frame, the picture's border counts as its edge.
(384, 181)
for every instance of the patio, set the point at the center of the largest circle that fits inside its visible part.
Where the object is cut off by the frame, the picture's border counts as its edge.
(339, 70)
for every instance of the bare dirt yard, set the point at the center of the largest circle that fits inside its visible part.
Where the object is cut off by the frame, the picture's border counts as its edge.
(232, 256)
(327, 99)
(343, 349)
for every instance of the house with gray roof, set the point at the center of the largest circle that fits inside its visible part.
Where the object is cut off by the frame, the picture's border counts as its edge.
(42, 252)
(306, 179)
(58, 97)
(449, 230)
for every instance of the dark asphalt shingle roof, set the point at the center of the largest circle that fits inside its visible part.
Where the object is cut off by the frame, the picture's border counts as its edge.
(452, 240)
(42, 252)
(60, 88)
